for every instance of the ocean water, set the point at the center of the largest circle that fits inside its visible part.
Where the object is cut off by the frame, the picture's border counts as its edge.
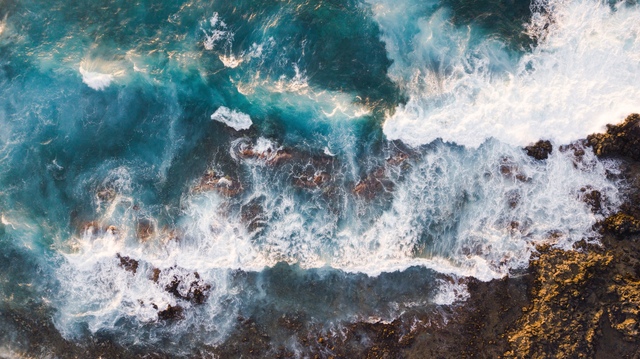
(340, 160)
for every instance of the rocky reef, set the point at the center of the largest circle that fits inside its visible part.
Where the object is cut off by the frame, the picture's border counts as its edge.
(539, 150)
(619, 140)
(580, 303)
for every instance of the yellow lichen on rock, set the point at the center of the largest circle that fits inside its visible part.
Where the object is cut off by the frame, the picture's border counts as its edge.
(556, 318)
(623, 314)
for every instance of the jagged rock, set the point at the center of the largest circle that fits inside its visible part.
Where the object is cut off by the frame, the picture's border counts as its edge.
(621, 224)
(557, 317)
(576, 148)
(171, 313)
(129, 264)
(621, 140)
(397, 159)
(593, 198)
(375, 183)
(540, 150)
(367, 188)
(196, 293)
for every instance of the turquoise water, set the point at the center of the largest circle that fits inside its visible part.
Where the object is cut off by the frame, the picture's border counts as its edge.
(382, 163)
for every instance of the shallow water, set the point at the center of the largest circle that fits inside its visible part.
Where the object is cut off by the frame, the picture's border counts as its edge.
(332, 161)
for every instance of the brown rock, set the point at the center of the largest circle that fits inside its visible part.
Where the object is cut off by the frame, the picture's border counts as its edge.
(129, 264)
(620, 140)
(171, 313)
(540, 150)
(621, 224)
(197, 292)
(375, 183)
(226, 186)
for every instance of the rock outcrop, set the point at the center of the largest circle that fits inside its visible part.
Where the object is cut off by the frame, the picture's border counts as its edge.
(619, 140)
(539, 150)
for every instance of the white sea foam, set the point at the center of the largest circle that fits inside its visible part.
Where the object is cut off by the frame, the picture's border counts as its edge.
(99, 74)
(95, 80)
(98, 291)
(463, 212)
(584, 74)
(217, 32)
(477, 213)
(450, 292)
(232, 118)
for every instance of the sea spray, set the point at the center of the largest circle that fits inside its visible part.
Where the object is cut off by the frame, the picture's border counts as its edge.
(465, 89)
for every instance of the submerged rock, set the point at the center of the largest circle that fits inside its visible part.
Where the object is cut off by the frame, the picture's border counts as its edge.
(106, 194)
(264, 150)
(292, 321)
(397, 159)
(375, 183)
(311, 180)
(539, 150)
(510, 169)
(224, 185)
(620, 140)
(145, 229)
(252, 215)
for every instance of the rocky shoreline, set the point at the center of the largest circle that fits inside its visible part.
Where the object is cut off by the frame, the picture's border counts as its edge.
(583, 303)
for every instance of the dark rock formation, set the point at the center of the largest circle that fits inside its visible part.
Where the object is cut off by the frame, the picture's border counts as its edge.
(539, 150)
(196, 292)
(155, 275)
(308, 179)
(249, 340)
(621, 224)
(593, 198)
(171, 313)
(619, 140)
(129, 264)
(270, 155)
(564, 313)
(292, 321)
